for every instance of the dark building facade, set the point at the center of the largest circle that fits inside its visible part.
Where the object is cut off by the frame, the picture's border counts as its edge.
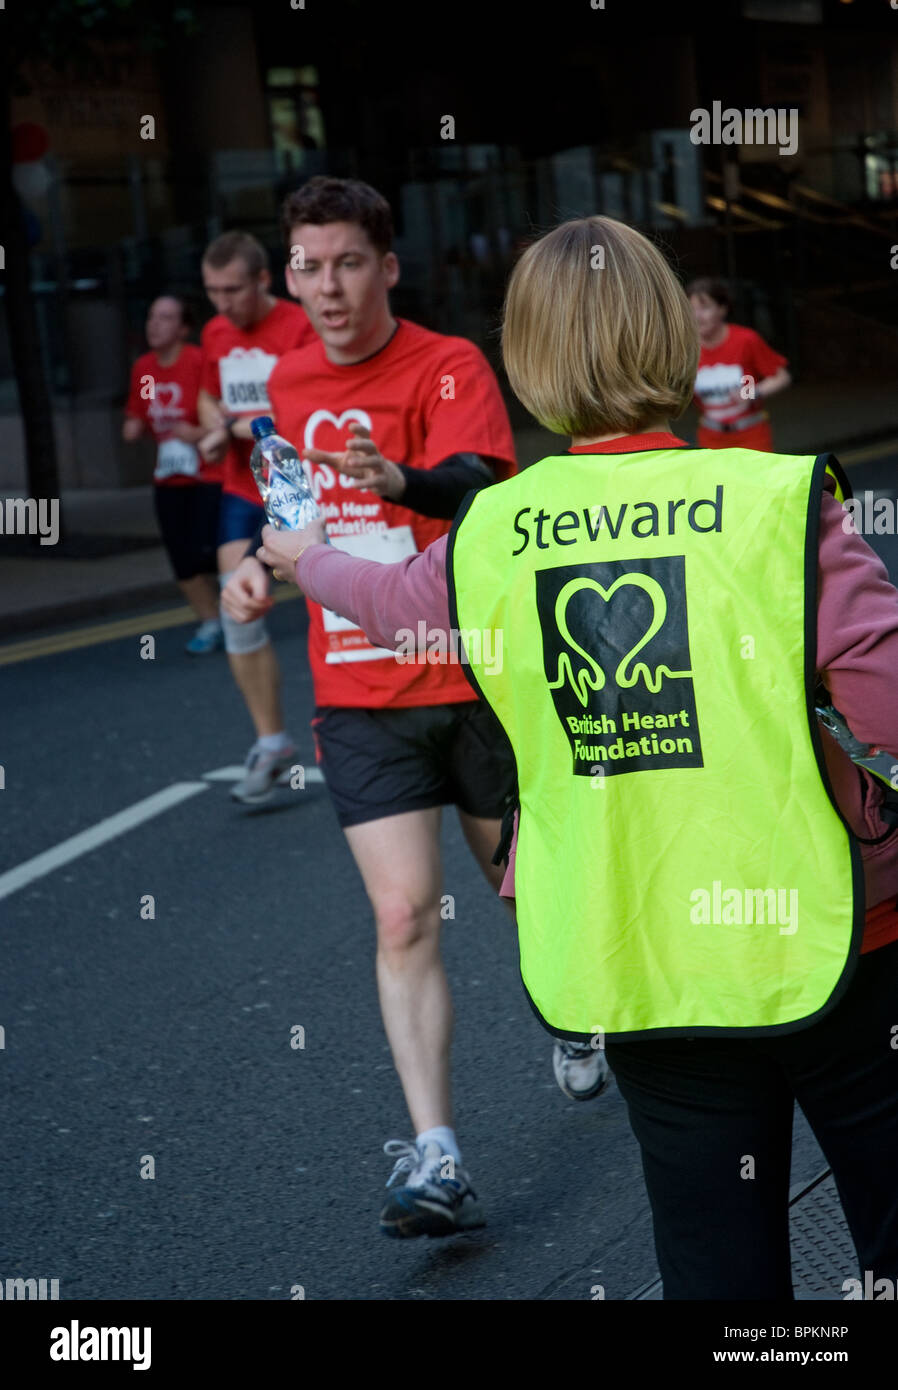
(482, 126)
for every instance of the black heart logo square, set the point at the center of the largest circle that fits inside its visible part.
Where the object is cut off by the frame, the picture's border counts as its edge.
(616, 660)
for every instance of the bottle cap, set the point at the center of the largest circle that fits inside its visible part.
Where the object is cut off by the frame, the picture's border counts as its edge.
(262, 425)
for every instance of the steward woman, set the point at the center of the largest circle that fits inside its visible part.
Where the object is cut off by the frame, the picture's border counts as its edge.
(704, 882)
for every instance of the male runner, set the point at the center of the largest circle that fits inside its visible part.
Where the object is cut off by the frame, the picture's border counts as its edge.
(241, 345)
(398, 424)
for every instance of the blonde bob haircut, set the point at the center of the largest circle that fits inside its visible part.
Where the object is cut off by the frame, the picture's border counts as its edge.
(598, 336)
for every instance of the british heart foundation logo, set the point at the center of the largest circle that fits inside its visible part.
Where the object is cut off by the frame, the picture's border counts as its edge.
(616, 658)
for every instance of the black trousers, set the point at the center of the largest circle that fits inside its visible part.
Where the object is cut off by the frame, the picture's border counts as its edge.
(714, 1121)
(188, 520)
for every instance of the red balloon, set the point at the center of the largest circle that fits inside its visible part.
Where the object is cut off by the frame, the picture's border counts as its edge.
(30, 141)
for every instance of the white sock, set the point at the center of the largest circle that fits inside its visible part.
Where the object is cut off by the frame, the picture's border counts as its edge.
(273, 743)
(209, 625)
(445, 1137)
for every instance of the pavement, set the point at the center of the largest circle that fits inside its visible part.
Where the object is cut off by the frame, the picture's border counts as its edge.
(49, 586)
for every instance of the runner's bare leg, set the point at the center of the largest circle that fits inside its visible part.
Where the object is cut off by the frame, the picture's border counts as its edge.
(399, 860)
(257, 674)
(483, 836)
(201, 592)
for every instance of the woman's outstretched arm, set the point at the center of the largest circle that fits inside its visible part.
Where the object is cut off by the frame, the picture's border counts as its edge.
(381, 599)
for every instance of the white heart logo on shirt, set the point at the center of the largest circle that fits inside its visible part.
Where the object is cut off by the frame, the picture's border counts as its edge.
(322, 475)
(361, 417)
(166, 402)
(172, 389)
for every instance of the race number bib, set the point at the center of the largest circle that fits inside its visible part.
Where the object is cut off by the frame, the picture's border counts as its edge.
(174, 456)
(244, 377)
(345, 641)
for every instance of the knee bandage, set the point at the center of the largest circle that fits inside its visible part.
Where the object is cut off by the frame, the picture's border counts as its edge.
(241, 638)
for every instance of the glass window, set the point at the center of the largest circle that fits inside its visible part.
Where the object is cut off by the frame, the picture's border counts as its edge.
(297, 123)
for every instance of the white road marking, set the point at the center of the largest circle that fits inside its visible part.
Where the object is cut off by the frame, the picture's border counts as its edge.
(234, 774)
(97, 835)
(123, 821)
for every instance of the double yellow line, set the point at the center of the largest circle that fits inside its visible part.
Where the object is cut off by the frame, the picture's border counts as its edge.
(109, 632)
(870, 451)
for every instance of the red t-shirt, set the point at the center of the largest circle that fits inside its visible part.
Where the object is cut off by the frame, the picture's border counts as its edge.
(880, 926)
(423, 397)
(237, 363)
(174, 392)
(742, 353)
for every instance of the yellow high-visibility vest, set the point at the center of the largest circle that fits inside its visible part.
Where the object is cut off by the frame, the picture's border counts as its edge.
(644, 627)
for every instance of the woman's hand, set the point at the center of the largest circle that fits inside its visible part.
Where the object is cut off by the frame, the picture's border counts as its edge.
(280, 549)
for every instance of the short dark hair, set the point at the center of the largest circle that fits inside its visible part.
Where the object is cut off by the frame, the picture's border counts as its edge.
(324, 199)
(188, 308)
(232, 246)
(714, 289)
(184, 303)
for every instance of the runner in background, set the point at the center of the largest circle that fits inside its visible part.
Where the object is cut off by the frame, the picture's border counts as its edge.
(398, 424)
(187, 490)
(737, 372)
(241, 345)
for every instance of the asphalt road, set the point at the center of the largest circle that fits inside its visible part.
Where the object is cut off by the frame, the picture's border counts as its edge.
(128, 1038)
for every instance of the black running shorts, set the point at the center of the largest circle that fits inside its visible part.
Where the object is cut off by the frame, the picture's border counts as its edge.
(188, 520)
(382, 762)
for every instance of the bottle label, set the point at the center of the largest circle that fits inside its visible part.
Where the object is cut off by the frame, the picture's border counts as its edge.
(244, 374)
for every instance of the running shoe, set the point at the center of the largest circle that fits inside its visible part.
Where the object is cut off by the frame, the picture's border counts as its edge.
(581, 1070)
(428, 1203)
(261, 773)
(207, 638)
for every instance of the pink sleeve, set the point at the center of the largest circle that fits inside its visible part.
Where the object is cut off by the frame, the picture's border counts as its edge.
(857, 630)
(381, 599)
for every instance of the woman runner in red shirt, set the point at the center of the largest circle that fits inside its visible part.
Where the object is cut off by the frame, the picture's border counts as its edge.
(187, 490)
(737, 371)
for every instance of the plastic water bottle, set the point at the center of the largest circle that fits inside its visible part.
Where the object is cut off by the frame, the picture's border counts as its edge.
(281, 479)
(876, 760)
